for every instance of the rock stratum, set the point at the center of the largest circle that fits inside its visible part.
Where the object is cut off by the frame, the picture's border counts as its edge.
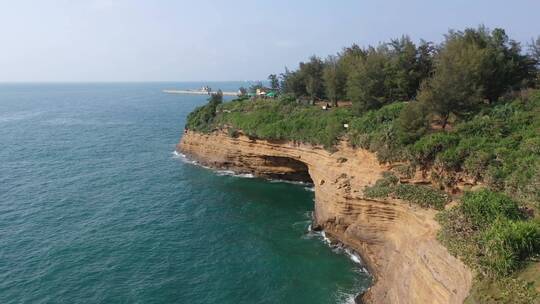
(397, 241)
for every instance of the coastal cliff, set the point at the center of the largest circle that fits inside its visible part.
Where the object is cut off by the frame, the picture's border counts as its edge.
(396, 240)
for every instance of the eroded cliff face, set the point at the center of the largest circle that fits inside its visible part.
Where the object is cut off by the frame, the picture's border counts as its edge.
(396, 240)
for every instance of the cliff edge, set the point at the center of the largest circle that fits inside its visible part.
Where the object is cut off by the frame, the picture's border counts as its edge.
(397, 241)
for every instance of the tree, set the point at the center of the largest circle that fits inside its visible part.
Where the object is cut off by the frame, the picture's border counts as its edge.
(350, 58)
(424, 64)
(455, 87)
(253, 88)
(407, 67)
(504, 67)
(274, 82)
(293, 83)
(388, 73)
(201, 118)
(216, 99)
(334, 79)
(534, 48)
(403, 80)
(242, 92)
(312, 74)
(366, 84)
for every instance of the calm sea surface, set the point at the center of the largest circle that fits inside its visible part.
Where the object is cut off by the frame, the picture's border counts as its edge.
(96, 208)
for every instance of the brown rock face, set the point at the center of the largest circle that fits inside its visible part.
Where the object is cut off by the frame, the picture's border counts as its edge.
(397, 241)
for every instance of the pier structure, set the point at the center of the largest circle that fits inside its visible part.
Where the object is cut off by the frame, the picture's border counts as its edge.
(198, 92)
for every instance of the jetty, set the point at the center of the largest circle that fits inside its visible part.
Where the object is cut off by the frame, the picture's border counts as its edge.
(198, 92)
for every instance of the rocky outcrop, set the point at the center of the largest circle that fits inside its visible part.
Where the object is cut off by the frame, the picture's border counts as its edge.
(396, 240)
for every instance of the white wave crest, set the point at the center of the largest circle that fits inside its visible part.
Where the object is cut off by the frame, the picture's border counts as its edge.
(186, 160)
(338, 248)
(346, 298)
(232, 173)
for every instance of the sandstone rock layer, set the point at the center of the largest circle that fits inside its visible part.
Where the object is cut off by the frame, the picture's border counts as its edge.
(396, 241)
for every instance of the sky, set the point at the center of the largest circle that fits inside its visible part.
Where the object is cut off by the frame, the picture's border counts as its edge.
(187, 40)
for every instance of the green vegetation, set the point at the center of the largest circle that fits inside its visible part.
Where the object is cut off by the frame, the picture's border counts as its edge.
(500, 145)
(424, 196)
(490, 233)
(202, 118)
(505, 290)
(278, 120)
(467, 109)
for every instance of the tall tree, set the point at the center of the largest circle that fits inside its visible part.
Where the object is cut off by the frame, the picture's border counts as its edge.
(455, 88)
(312, 73)
(424, 64)
(334, 79)
(216, 99)
(366, 86)
(274, 82)
(504, 67)
(350, 58)
(403, 80)
(293, 83)
(534, 48)
(407, 67)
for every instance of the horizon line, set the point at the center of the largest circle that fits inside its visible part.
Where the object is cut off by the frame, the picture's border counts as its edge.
(119, 81)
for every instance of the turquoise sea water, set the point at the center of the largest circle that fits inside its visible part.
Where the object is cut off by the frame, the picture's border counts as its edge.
(96, 208)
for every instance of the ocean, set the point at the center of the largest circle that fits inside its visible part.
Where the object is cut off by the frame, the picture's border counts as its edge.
(95, 207)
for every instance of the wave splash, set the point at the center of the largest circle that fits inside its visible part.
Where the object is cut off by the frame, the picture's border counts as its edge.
(186, 160)
(339, 248)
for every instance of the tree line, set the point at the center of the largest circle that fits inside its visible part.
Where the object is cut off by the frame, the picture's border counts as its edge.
(469, 68)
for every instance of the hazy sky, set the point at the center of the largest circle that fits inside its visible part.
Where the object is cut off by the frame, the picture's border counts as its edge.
(136, 40)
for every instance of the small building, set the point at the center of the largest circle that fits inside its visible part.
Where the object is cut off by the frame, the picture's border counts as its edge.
(265, 92)
(271, 94)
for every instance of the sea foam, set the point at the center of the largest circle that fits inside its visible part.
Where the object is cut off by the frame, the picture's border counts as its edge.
(186, 160)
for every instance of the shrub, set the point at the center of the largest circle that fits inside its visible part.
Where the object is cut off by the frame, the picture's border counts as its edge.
(383, 187)
(413, 122)
(376, 131)
(458, 235)
(201, 119)
(484, 207)
(476, 163)
(450, 158)
(424, 196)
(405, 171)
(426, 149)
(421, 195)
(507, 244)
(488, 232)
(502, 291)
